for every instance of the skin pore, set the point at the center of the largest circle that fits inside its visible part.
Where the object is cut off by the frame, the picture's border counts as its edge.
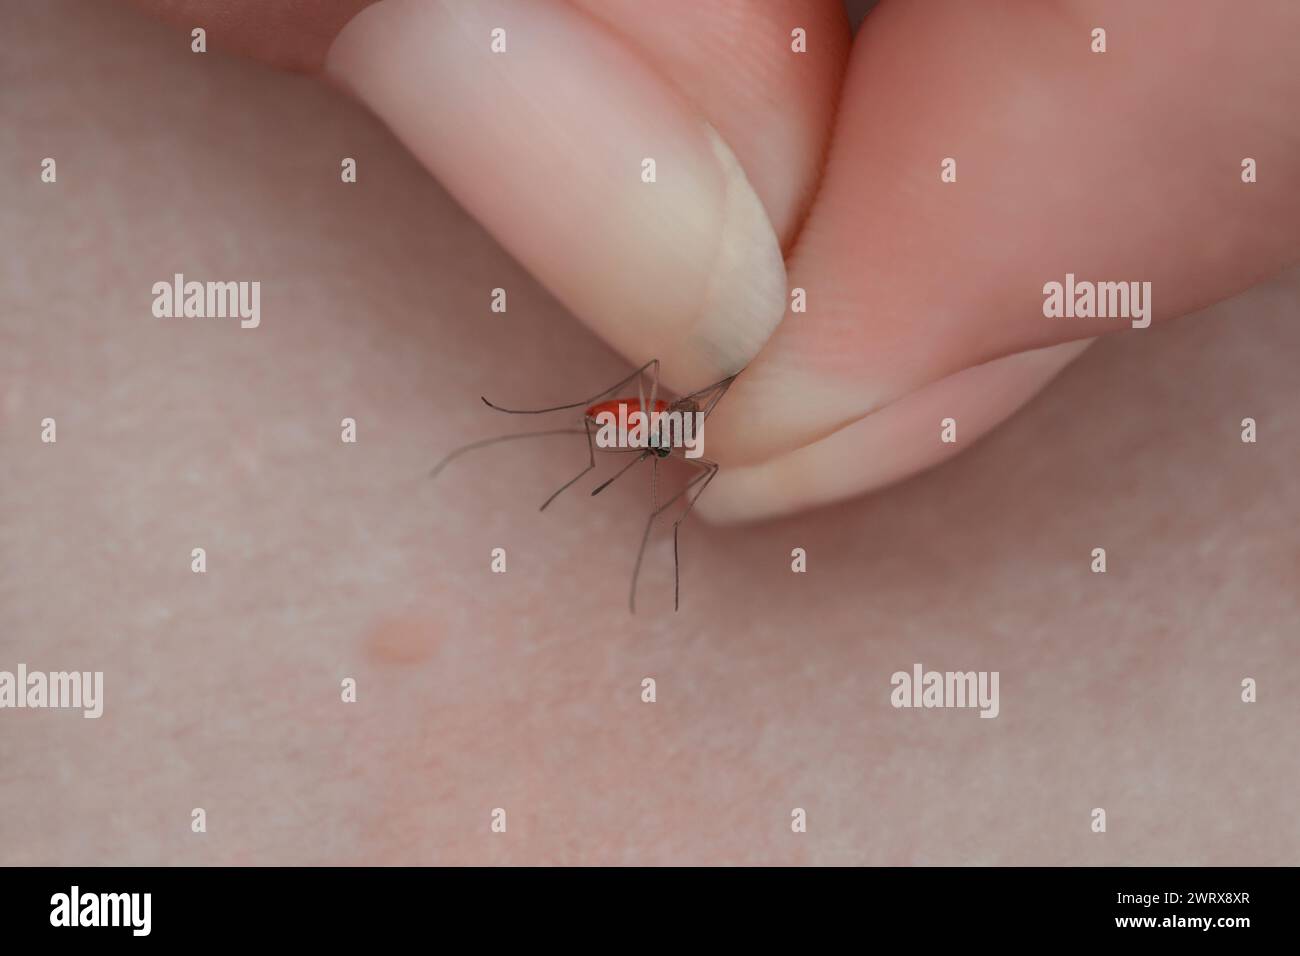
(523, 690)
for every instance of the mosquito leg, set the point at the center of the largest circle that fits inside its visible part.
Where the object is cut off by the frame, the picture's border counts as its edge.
(591, 451)
(717, 397)
(636, 570)
(653, 363)
(690, 503)
(654, 392)
(721, 389)
(710, 470)
(677, 578)
(654, 506)
(721, 383)
(644, 410)
(609, 481)
(433, 473)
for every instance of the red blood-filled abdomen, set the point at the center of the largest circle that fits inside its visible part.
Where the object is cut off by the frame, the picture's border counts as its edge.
(633, 404)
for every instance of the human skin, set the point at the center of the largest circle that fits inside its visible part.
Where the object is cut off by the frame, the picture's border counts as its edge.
(523, 690)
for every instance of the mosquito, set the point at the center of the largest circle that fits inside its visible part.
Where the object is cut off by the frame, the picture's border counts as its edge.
(662, 443)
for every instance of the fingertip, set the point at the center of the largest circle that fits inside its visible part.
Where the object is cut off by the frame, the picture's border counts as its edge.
(878, 449)
(586, 164)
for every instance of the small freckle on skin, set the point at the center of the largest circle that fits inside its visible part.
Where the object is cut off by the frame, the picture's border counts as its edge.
(403, 641)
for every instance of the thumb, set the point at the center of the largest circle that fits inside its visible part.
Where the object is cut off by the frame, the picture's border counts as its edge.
(587, 164)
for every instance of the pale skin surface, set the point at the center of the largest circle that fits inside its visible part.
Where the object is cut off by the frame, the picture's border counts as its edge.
(522, 690)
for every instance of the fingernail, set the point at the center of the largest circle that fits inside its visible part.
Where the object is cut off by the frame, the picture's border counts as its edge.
(586, 165)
